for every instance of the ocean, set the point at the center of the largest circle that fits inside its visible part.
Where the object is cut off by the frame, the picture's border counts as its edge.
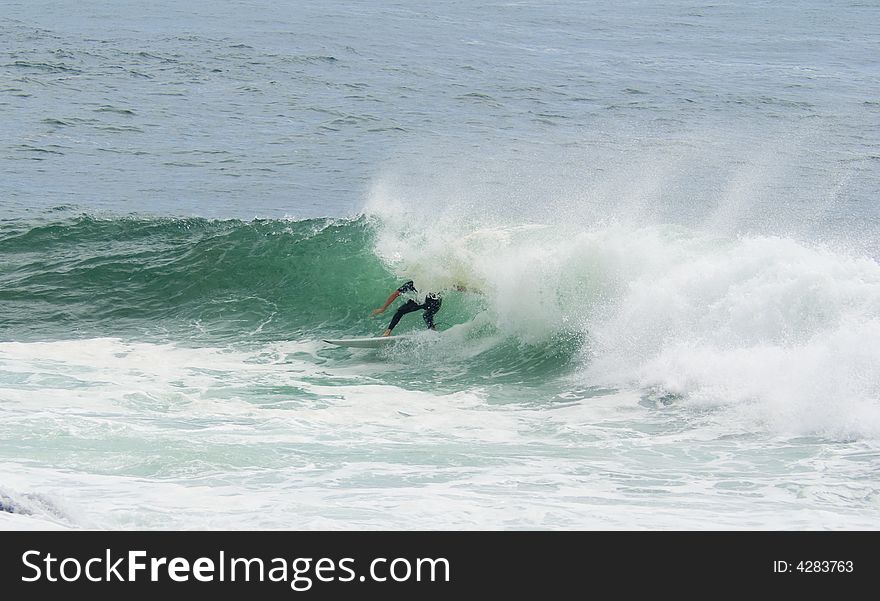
(665, 215)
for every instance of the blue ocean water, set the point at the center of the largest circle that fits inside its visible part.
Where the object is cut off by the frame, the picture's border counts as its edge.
(665, 214)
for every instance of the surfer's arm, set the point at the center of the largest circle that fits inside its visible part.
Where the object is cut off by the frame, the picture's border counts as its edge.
(388, 301)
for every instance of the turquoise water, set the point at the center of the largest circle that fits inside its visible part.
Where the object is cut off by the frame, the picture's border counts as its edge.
(664, 213)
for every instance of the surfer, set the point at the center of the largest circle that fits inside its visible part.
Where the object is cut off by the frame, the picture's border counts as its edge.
(431, 305)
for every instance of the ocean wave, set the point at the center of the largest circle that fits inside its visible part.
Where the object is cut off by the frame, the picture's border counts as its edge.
(93, 273)
(782, 331)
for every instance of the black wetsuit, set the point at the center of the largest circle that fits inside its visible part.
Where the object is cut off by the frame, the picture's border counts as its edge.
(431, 306)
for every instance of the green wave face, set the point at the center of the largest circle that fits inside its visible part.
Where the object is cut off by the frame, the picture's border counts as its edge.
(262, 279)
(226, 278)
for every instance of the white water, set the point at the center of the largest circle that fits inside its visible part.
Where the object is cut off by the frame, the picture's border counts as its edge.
(176, 444)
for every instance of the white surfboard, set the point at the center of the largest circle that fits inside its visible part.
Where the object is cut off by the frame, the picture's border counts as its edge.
(380, 341)
(377, 342)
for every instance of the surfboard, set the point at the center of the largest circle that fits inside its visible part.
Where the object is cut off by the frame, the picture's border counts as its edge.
(380, 341)
(377, 342)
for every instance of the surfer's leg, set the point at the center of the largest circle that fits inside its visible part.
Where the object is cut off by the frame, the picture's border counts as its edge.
(432, 305)
(407, 307)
